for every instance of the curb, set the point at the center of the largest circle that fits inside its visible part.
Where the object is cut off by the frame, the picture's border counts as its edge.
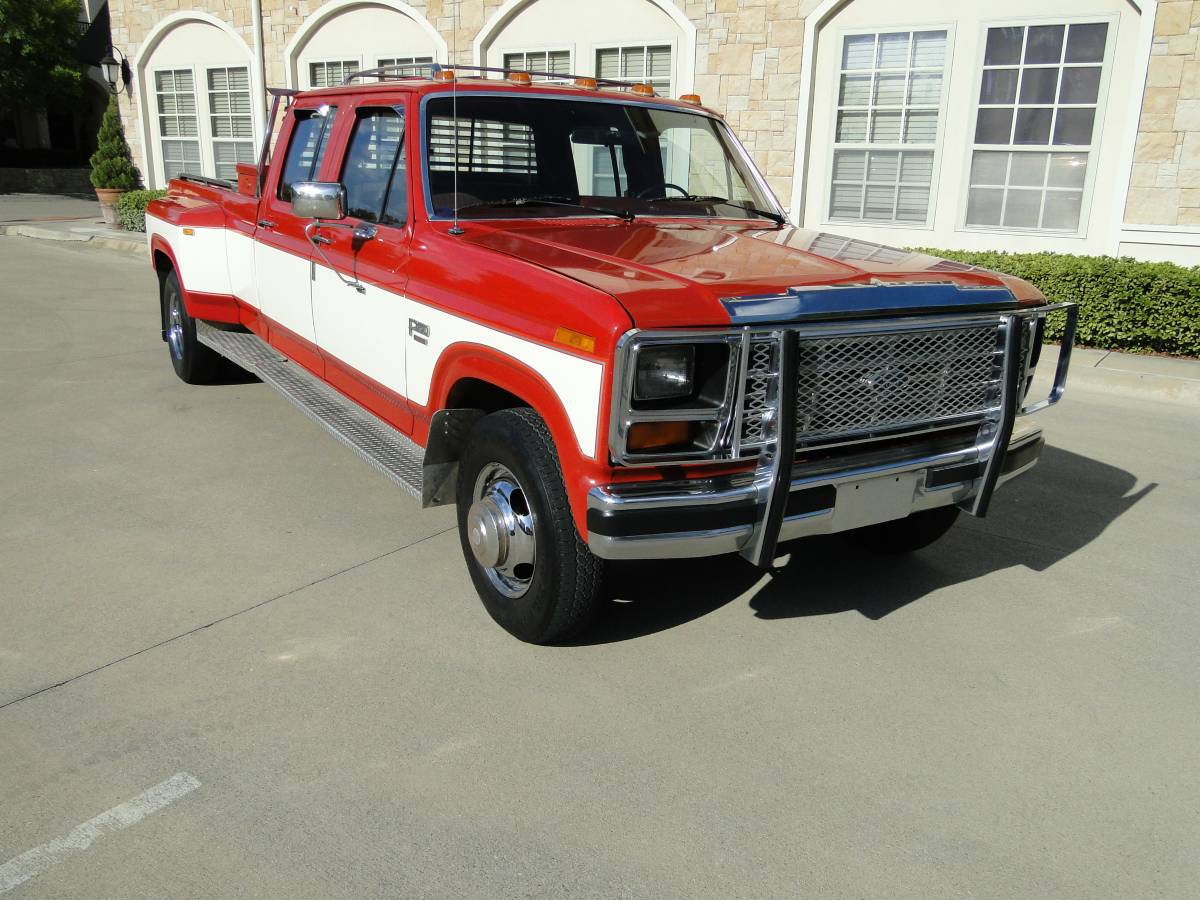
(121, 244)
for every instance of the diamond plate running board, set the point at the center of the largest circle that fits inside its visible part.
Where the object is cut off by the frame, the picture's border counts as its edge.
(385, 448)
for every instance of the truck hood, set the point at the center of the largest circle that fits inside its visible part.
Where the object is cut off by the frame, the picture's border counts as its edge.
(692, 273)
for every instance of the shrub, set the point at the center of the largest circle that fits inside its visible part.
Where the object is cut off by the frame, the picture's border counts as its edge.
(112, 166)
(1124, 304)
(131, 208)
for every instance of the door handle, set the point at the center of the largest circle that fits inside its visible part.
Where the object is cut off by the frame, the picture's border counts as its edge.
(266, 223)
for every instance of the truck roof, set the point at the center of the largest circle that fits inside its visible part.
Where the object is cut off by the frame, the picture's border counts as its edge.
(424, 86)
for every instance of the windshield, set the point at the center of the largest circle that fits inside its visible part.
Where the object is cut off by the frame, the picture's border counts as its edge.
(520, 157)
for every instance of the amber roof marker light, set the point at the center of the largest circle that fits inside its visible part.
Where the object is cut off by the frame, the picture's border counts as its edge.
(588, 84)
(642, 90)
(521, 78)
(690, 98)
(444, 75)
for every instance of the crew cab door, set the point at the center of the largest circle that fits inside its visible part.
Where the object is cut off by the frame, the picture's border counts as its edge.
(282, 251)
(362, 327)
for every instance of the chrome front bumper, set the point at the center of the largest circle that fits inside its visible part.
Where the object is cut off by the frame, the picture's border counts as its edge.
(660, 521)
(785, 499)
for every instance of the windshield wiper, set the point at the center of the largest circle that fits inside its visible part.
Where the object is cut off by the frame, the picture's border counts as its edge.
(725, 201)
(551, 200)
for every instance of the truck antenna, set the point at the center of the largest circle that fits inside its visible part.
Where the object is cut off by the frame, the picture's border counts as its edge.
(455, 229)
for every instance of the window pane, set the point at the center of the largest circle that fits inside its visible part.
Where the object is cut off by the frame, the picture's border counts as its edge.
(1081, 85)
(1033, 126)
(929, 49)
(921, 127)
(999, 86)
(916, 168)
(1074, 126)
(1028, 169)
(849, 165)
(925, 89)
(989, 167)
(369, 159)
(856, 90)
(845, 201)
(395, 211)
(1044, 44)
(885, 128)
(1003, 46)
(1039, 85)
(1062, 210)
(1022, 208)
(306, 150)
(889, 90)
(883, 166)
(880, 203)
(1067, 170)
(984, 205)
(1085, 43)
(852, 127)
(912, 204)
(893, 51)
(608, 63)
(994, 126)
(858, 51)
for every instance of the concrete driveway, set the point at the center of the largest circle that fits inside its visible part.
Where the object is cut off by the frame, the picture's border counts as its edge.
(235, 661)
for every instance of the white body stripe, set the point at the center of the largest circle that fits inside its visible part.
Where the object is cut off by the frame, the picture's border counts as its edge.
(369, 331)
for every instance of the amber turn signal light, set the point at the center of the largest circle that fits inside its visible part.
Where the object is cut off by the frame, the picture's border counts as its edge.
(579, 341)
(443, 75)
(657, 435)
(588, 84)
(522, 78)
(643, 90)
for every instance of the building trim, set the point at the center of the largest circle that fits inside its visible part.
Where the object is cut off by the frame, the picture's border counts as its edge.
(291, 53)
(685, 66)
(145, 118)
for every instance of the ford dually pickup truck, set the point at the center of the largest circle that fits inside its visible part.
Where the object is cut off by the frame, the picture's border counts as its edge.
(577, 311)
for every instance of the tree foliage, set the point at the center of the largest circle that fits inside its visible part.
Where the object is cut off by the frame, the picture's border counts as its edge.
(112, 166)
(38, 66)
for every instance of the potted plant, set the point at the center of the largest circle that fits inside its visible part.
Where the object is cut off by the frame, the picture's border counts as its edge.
(113, 172)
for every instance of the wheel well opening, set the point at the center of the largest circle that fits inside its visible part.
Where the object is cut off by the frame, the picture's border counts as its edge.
(472, 393)
(162, 265)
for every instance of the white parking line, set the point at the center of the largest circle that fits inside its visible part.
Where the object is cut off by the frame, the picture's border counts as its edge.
(33, 862)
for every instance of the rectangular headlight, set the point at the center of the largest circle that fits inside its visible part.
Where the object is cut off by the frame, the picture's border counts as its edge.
(665, 372)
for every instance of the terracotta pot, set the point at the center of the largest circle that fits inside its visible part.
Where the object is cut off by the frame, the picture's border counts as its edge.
(108, 205)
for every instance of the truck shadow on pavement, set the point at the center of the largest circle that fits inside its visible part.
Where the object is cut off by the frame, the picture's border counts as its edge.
(1058, 508)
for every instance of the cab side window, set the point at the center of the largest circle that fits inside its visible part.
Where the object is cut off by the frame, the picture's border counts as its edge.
(310, 137)
(374, 173)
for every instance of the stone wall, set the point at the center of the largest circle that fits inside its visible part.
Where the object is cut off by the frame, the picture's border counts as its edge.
(1165, 183)
(747, 57)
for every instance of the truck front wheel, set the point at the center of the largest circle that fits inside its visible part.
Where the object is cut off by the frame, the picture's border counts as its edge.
(535, 575)
(914, 532)
(193, 362)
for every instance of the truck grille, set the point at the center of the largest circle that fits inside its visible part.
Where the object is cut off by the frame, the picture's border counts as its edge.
(862, 384)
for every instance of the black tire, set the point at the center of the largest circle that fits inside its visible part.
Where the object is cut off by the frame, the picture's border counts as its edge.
(907, 535)
(561, 586)
(193, 362)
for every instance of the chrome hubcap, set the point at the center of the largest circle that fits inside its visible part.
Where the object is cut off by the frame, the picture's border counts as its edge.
(500, 527)
(175, 325)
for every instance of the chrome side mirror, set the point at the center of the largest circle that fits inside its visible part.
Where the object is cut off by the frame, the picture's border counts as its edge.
(319, 200)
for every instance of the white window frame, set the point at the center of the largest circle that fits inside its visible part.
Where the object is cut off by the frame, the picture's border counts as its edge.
(547, 49)
(160, 164)
(327, 61)
(396, 60)
(644, 44)
(1092, 150)
(213, 140)
(943, 114)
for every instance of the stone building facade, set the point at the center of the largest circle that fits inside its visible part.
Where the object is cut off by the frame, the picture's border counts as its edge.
(884, 121)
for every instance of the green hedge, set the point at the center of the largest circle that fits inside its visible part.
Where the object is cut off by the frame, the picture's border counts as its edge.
(131, 208)
(1124, 304)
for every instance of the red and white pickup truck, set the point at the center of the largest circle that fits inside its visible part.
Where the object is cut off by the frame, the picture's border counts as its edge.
(577, 311)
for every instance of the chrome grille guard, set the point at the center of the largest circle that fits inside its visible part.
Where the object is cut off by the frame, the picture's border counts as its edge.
(776, 408)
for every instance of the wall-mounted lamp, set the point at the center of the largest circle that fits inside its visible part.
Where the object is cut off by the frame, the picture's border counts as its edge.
(114, 70)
